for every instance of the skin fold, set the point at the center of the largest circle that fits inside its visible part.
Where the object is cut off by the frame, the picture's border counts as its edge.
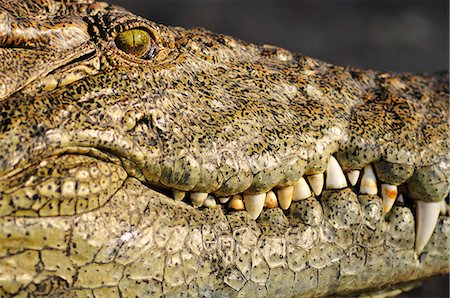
(95, 136)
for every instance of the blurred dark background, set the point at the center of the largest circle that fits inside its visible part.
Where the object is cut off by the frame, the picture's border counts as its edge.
(396, 35)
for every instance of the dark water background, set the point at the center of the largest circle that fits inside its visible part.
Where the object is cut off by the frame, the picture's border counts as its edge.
(395, 35)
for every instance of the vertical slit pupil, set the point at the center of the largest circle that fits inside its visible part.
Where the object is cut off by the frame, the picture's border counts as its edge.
(136, 42)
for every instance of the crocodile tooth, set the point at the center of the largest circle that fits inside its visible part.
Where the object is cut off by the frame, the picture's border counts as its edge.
(236, 203)
(198, 198)
(335, 175)
(389, 194)
(224, 200)
(271, 200)
(427, 214)
(316, 183)
(301, 190)
(210, 202)
(368, 181)
(400, 199)
(285, 196)
(254, 204)
(443, 207)
(353, 176)
(178, 195)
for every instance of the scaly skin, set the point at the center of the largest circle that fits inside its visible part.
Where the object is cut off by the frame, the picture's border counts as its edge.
(93, 139)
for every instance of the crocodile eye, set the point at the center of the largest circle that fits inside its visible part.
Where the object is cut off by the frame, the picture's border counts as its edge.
(136, 42)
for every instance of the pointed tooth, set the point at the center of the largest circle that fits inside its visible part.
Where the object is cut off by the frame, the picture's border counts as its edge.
(301, 190)
(224, 200)
(254, 204)
(353, 176)
(389, 194)
(368, 181)
(198, 198)
(443, 207)
(236, 203)
(271, 200)
(178, 195)
(285, 196)
(335, 175)
(400, 199)
(427, 214)
(210, 202)
(316, 183)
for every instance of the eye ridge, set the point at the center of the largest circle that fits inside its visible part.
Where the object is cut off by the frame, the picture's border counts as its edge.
(137, 42)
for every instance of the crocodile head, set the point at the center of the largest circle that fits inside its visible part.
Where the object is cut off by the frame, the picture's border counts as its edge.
(138, 159)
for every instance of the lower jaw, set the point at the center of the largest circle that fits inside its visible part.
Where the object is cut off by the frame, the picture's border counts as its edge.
(339, 243)
(146, 243)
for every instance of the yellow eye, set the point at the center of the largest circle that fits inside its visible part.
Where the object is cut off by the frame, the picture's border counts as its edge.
(136, 42)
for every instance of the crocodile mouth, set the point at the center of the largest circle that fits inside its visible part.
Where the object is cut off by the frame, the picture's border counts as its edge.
(334, 182)
(301, 198)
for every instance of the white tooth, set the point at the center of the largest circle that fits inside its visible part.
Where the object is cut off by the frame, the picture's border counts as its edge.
(254, 204)
(224, 200)
(400, 199)
(389, 194)
(301, 190)
(335, 175)
(443, 207)
(210, 202)
(368, 181)
(198, 198)
(427, 214)
(178, 195)
(236, 203)
(316, 183)
(353, 176)
(271, 200)
(285, 196)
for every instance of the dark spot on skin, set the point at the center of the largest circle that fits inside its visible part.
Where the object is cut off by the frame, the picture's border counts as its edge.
(4, 123)
(37, 131)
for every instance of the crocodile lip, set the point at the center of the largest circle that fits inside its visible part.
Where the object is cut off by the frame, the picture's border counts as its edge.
(99, 144)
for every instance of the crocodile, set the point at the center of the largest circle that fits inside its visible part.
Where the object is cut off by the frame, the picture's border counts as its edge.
(142, 160)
